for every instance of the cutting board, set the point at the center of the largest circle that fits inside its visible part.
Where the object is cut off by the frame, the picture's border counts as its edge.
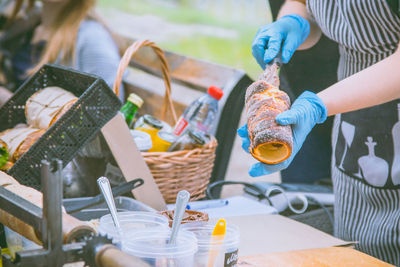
(327, 257)
(131, 162)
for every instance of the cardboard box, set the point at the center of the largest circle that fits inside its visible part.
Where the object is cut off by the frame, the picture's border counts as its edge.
(130, 161)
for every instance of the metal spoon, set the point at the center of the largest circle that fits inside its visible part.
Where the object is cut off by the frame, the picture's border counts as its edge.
(181, 202)
(105, 189)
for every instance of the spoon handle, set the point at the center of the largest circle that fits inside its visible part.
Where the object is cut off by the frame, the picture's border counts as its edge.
(181, 202)
(105, 188)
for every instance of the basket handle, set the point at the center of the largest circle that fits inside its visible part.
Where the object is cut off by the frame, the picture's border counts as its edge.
(124, 63)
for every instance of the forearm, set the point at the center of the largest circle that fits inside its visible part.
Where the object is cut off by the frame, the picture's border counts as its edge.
(380, 83)
(299, 8)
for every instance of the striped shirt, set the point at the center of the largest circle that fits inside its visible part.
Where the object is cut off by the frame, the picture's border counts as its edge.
(366, 143)
(367, 31)
(96, 52)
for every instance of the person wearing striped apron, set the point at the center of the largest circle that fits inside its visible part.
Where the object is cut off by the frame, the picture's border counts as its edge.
(366, 131)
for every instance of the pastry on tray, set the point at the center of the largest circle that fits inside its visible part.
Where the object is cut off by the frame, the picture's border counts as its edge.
(46, 106)
(19, 140)
(188, 217)
(42, 110)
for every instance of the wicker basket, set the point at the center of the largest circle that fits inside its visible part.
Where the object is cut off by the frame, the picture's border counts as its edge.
(173, 171)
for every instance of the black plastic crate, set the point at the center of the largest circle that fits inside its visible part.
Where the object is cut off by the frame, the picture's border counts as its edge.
(97, 104)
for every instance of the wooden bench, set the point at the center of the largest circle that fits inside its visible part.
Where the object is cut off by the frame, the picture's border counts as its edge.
(190, 75)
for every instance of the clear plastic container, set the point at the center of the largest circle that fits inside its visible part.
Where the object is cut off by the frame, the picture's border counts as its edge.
(142, 140)
(132, 221)
(152, 246)
(225, 254)
(16, 242)
(122, 204)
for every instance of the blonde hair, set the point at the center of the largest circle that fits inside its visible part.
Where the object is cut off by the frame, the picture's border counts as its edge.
(63, 32)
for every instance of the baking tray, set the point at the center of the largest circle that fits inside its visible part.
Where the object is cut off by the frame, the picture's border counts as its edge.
(95, 212)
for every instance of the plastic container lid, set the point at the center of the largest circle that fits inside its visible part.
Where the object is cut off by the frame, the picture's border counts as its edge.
(153, 243)
(166, 127)
(152, 121)
(167, 136)
(135, 99)
(215, 92)
(131, 222)
(142, 140)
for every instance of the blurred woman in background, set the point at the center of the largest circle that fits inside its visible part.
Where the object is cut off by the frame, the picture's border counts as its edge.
(68, 33)
(65, 32)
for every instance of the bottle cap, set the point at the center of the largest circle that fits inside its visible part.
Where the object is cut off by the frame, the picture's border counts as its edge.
(153, 121)
(135, 99)
(197, 137)
(215, 92)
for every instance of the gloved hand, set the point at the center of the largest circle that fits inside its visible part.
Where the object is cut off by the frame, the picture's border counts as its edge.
(291, 30)
(306, 111)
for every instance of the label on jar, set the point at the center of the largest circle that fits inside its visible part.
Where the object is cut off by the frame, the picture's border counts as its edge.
(231, 258)
(180, 126)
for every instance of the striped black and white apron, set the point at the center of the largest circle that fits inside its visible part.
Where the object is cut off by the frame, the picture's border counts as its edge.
(366, 143)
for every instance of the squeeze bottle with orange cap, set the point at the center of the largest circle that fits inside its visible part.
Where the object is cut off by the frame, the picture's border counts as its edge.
(200, 114)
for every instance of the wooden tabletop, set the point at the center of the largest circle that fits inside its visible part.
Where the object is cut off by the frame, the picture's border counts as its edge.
(327, 257)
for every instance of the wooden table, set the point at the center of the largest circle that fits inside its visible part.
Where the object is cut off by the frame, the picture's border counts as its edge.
(261, 234)
(327, 257)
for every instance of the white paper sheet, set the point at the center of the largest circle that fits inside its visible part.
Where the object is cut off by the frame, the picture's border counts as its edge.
(237, 206)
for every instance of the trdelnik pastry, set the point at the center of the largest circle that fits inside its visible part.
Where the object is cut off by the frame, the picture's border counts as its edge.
(46, 106)
(19, 140)
(270, 143)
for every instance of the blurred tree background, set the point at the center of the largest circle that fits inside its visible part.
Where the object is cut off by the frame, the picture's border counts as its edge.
(220, 31)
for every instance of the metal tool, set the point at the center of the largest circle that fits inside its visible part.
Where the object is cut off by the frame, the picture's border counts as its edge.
(105, 189)
(48, 221)
(181, 202)
(116, 191)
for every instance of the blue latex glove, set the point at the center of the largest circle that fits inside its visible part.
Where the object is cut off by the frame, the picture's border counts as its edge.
(305, 112)
(291, 30)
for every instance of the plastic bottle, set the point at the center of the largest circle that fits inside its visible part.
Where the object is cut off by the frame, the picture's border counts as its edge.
(130, 108)
(200, 114)
(187, 141)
